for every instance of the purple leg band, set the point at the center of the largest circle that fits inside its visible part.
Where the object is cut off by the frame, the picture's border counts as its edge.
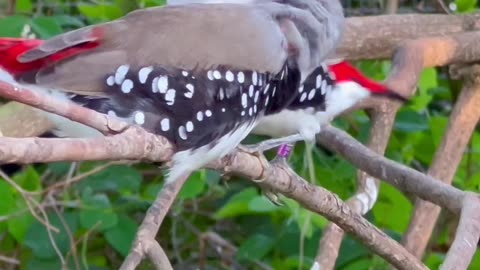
(284, 150)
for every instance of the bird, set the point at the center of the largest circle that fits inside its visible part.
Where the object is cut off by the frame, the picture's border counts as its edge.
(331, 89)
(200, 75)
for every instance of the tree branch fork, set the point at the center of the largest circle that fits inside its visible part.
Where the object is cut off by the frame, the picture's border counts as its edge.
(125, 142)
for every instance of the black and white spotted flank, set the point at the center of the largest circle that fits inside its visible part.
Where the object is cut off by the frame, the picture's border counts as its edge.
(193, 108)
(314, 89)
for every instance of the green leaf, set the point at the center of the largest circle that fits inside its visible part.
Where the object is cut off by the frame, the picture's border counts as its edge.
(23, 6)
(238, 204)
(12, 26)
(465, 5)
(100, 12)
(68, 21)
(194, 186)
(118, 178)
(18, 225)
(410, 121)
(152, 3)
(39, 242)
(427, 81)
(59, 168)
(121, 236)
(392, 209)
(261, 204)
(28, 179)
(255, 247)
(46, 27)
(8, 198)
(97, 211)
(438, 125)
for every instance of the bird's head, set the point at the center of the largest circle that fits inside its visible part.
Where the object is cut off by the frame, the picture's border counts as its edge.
(351, 86)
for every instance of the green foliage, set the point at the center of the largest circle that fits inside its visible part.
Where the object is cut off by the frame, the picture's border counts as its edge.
(97, 217)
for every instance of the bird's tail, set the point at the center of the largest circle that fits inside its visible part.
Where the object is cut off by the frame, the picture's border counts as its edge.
(11, 49)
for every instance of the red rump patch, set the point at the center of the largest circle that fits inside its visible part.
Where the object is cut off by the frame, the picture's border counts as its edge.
(344, 72)
(12, 48)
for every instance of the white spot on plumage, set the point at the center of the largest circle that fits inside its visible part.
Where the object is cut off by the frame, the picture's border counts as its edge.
(112, 113)
(240, 77)
(189, 126)
(217, 75)
(242, 113)
(165, 124)
(185, 73)
(208, 113)
(254, 78)
(182, 132)
(311, 94)
(110, 80)
(244, 100)
(255, 108)
(300, 89)
(121, 73)
(143, 74)
(266, 100)
(324, 86)
(319, 81)
(229, 76)
(200, 116)
(223, 110)
(250, 111)
(210, 75)
(190, 89)
(127, 86)
(250, 90)
(257, 94)
(266, 89)
(274, 91)
(139, 118)
(303, 97)
(162, 84)
(154, 85)
(170, 96)
(221, 93)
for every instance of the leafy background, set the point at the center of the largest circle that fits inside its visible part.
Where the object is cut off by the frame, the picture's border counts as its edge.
(98, 216)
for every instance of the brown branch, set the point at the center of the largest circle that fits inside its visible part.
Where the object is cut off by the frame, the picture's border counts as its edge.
(360, 42)
(464, 246)
(403, 178)
(279, 178)
(145, 243)
(461, 125)
(80, 114)
(408, 61)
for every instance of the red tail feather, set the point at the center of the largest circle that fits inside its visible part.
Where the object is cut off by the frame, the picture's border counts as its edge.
(12, 48)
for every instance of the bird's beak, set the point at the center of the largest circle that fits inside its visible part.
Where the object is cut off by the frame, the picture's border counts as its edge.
(390, 94)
